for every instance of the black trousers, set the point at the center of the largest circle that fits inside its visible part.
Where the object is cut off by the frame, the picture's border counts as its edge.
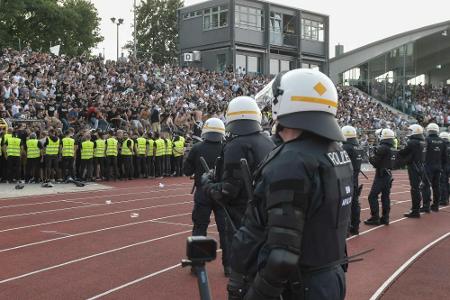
(127, 165)
(432, 182)
(100, 162)
(87, 168)
(67, 167)
(159, 165)
(178, 161)
(141, 165)
(51, 166)
(415, 181)
(14, 167)
(151, 166)
(381, 185)
(201, 214)
(33, 168)
(355, 207)
(167, 165)
(112, 167)
(445, 186)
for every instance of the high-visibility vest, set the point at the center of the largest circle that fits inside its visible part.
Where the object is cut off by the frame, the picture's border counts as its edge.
(125, 150)
(87, 150)
(141, 146)
(33, 150)
(183, 140)
(68, 147)
(160, 147)
(7, 136)
(13, 147)
(111, 147)
(52, 147)
(169, 146)
(151, 147)
(178, 150)
(100, 146)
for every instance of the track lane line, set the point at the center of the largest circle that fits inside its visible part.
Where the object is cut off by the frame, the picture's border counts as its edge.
(96, 215)
(406, 265)
(88, 205)
(155, 220)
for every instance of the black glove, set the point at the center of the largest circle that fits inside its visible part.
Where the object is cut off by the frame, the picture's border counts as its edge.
(207, 178)
(263, 290)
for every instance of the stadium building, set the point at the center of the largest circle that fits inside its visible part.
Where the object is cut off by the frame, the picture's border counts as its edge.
(389, 69)
(252, 36)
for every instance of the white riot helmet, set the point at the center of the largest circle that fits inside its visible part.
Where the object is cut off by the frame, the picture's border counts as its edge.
(378, 133)
(432, 128)
(304, 99)
(243, 116)
(348, 132)
(445, 136)
(415, 129)
(387, 134)
(213, 130)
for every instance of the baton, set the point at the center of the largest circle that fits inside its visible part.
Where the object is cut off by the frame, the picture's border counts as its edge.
(247, 178)
(362, 173)
(206, 168)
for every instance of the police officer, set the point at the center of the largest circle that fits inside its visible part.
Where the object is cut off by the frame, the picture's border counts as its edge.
(355, 152)
(382, 160)
(302, 196)
(245, 140)
(435, 159)
(33, 150)
(213, 134)
(445, 171)
(413, 155)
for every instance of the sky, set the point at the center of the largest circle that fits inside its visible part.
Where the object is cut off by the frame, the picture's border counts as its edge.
(353, 23)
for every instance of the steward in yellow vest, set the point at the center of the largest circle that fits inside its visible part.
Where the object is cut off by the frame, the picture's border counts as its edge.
(111, 157)
(160, 150)
(87, 155)
(178, 154)
(168, 155)
(127, 156)
(13, 152)
(33, 148)
(99, 156)
(51, 155)
(68, 151)
(150, 156)
(141, 157)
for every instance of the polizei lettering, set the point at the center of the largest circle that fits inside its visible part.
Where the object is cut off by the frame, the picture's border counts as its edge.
(339, 158)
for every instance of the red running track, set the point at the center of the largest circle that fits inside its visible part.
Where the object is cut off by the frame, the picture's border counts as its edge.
(78, 246)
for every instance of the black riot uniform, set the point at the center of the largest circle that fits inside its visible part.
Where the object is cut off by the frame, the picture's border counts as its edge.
(435, 159)
(382, 183)
(303, 190)
(413, 155)
(355, 152)
(445, 177)
(203, 206)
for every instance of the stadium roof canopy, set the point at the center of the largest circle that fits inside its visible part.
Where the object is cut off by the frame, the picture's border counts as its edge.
(421, 52)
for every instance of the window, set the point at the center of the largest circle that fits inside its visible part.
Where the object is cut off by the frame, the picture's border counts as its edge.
(285, 65)
(310, 66)
(215, 17)
(192, 14)
(241, 64)
(249, 18)
(248, 64)
(274, 67)
(221, 62)
(252, 66)
(313, 30)
(448, 81)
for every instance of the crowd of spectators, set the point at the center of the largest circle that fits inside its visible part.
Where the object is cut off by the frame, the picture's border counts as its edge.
(87, 93)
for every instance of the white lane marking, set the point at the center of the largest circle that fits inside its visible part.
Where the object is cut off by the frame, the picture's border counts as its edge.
(392, 203)
(77, 202)
(94, 216)
(89, 205)
(156, 220)
(172, 223)
(56, 232)
(137, 280)
(134, 282)
(92, 256)
(181, 186)
(403, 267)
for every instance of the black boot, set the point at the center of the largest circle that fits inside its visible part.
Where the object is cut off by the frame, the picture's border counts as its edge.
(412, 214)
(384, 220)
(374, 220)
(354, 231)
(435, 207)
(425, 209)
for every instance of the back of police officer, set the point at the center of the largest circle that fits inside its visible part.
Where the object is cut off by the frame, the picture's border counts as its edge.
(210, 148)
(355, 152)
(244, 140)
(413, 157)
(444, 200)
(292, 242)
(435, 159)
(382, 160)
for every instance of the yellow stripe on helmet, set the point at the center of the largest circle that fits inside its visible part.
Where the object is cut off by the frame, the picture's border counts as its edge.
(314, 100)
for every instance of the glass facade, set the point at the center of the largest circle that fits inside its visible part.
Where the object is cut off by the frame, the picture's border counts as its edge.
(313, 30)
(215, 17)
(249, 18)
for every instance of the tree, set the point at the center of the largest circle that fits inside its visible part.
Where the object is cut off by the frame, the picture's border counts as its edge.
(156, 30)
(43, 23)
